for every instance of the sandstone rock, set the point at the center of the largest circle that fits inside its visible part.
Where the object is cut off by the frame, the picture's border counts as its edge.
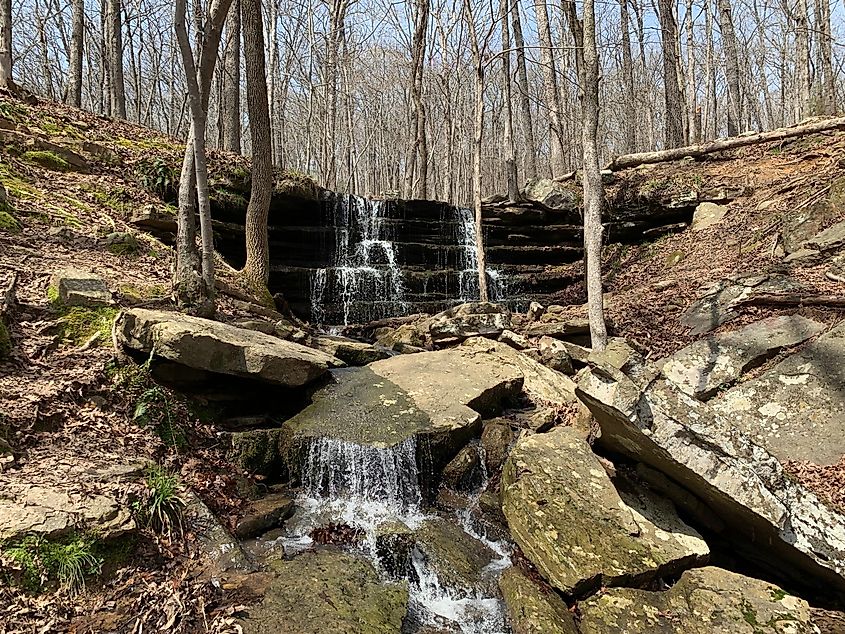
(401, 337)
(554, 354)
(463, 470)
(348, 350)
(54, 512)
(709, 364)
(535, 311)
(703, 601)
(570, 521)
(458, 560)
(796, 410)
(543, 385)
(532, 609)
(772, 519)
(804, 257)
(223, 551)
(707, 215)
(469, 320)
(258, 325)
(438, 397)
(514, 340)
(216, 347)
(258, 451)
(550, 194)
(80, 288)
(327, 591)
(496, 440)
(562, 329)
(830, 239)
(264, 514)
(836, 272)
(153, 219)
(807, 222)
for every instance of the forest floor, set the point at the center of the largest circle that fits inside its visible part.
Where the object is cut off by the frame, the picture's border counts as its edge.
(66, 415)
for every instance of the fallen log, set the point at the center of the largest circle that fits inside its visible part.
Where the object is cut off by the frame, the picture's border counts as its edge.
(793, 299)
(675, 154)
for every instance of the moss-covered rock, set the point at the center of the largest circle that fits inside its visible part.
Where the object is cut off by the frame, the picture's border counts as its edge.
(703, 601)
(328, 591)
(532, 609)
(258, 451)
(8, 222)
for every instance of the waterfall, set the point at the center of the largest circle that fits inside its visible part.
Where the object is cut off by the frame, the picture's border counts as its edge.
(468, 262)
(365, 280)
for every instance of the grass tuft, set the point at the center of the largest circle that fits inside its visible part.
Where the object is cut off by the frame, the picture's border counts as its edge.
(38, 561)
(162, 507)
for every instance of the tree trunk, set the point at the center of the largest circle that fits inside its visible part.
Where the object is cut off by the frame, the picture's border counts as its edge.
(735, 106)
(73, 96)
(674, 124)
(118, 86)
(524, 101)
(550, 91)
(6, 81)
(802, 61)
(593, 188)
(630, 121)
(510, 159)
(232, 81)
(710, 114)
(693, 126)
(256, 271)
(828, 83)
(416, 176)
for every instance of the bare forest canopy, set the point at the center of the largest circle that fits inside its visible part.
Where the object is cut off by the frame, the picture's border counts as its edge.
(377, 97)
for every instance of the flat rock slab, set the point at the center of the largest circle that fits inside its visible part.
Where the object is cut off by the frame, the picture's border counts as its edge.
(209, 345)
(52, 513)
(348, 350)
(80, 288)
(712, 363)
(703, 601)
(830, 239)
(439, 395)
(772, 519)
(532, 609)
(796, 410)
(562, 329)
(328, 591)
(570, 521)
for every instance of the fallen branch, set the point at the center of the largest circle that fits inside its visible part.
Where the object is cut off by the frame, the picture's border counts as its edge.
(674, 154)
(793, 299)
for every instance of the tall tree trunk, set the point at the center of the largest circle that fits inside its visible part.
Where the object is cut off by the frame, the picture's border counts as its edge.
(510, 160)
(256, 271)
(802, 61)
(524, 99)
(118, 86)
(416, 176)
(77, 43)
(232, 81)
(693, 125)
(828, 83)
(710, 107)
(735, 101)
(6, 81)
(629, 121)
(674, 123)
(593, 189)
(550, 90)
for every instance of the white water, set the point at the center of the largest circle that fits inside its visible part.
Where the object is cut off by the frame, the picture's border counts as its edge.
(366, 487)
(365, 268)
(468, 263)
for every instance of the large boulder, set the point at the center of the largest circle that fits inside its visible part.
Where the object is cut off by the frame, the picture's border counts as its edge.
(704, 601)
(348, 350)
(209, 345)
(533, 609)
(439, 397)
(550, 194)
(469, 320)
(796, 410)
(459, 560)
(773, 520)
(570, 521)
(710, 364)
(327, 591)
(706, 215)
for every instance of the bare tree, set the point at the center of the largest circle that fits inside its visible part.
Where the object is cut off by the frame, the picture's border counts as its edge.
(735, 109)
(510, 158)
(6, 81)
(629, 125)
(550, 90)
(524, 102)
(256, 271)
(416, 176)
(674, 123)
(115, 47)
(77, 43)
(231, 106)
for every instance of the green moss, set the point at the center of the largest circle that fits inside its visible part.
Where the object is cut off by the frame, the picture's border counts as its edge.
(53, 296)
(8, 222)
(294, 183)
(12, 111)
(46, 159)
(78, 324)
(227, 198)
(257, 451)
(135, 293)
(777, 594)
(40, 561)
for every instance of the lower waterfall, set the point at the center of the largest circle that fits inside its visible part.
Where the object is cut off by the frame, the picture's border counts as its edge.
(368, 488)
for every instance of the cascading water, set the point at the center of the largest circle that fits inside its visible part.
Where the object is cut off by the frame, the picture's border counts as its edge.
(468, 262)
(366, 279)
(366, 488)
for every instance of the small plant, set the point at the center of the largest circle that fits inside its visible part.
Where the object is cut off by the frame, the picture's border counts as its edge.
(162, 506)
(157, 176)
(48, 160)
(68, 561)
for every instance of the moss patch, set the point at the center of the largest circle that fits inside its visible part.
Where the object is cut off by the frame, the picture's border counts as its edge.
(8, 222)
(34, 563)
(46, 159)
(78, 324)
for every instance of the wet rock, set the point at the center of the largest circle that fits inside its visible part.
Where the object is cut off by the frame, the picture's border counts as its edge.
(707, 215)
(717, 305)
(703, 601)
(222, 348)
(570, 521)
(542, 384)
(462, 473)
(535, 311)
(258, 451)
(288, 331)
(438, 397)
(458, 560)
(712, 363)
(223, 551)
(796, 410)
(264, 514)
(327, 591)
(533, 609)
(54, 512)
(772, 520)
(469, 320)
(496, 439)
(394, 548)
(348, 350)
(80, 288)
